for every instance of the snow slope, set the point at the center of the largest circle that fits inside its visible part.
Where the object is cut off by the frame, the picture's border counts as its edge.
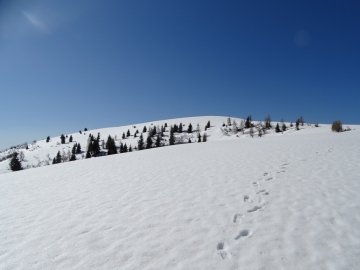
(277, 202)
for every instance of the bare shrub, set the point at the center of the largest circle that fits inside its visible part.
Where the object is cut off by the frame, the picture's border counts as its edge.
(337, 126)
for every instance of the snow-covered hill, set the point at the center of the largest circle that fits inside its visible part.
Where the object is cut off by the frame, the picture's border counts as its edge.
(283, 201)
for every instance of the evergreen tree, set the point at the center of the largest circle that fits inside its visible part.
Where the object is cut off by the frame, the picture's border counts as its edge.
(189, 141)
(130, 148)
(297, 124)
(78, 148)
(199, 137)
(158, 141)
(80, 132)
(15, 164)
(248, 122)
(62, 137)
(144, 129)
(88, 155)
(135, 134)
(165, 125)
(47, 139)
(73, 157)
(268, 122)
(71, 138)
(95, 148)
(204, 139)
(121, 150)
(141, 142)
(58, 158)
(123, 136)
(153, 131)
(283, 127)
(207, 125)
(172, 137)
(125, 149)
(54, 161)
(277, 128)
(291, 124)
(189, 128)
(176, 128)
(128, 133)
(85, 129)
(73, 150)
(110, 145)
(180, 130)
(149, 142)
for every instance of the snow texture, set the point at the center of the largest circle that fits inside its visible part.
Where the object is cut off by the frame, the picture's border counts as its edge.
(276, 202)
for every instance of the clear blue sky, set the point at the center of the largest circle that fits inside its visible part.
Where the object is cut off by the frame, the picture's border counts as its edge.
(66, 65)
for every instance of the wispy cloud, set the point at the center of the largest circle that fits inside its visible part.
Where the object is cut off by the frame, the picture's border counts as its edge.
(36, 22)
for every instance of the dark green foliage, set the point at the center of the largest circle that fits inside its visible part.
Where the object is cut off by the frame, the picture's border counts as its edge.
(291, 124)
(144, 129)
(88, 154)
(62, 138)
(110, 146)
(130, 149)
(176, 128)
(153, 131)
(223, 124)
(73, 157)
(80, 132)
(85, 129)
(125, 149)
(57, 159)
(121, 150)
(15, 164)
(204, 139)
(190, 128)
(172, 137)
(248, 122)
(47, 139)
(128, 133)
(297, 124)
(71, 138)
(135, 134)
(283, 127)
(268, 122)
(199, 137)
(54, 161)
(158, 141)
(73, 150)
(277, 128)
(149, 142)
(141, 142)
(180, 130)
(162, 129)
(123, 136)
(189, 141)
(207, 125)
(337, 126)
(78, 148)
(94, 146)
(166, 125)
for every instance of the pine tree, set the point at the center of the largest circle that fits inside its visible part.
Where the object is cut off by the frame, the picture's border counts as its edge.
(54, 161)
(47, 139)
(297, 124)
(207, 125)
(149, 142)
(128, 133)
(153, 131)
(58, 158)
(85, 129)
(121, 150)
(62, 137)
(71, 138)
(199, 137)
(189, 141)
(15, 164)
(73, 157)
(125, 149)
(190, 128)
(176, 128)
(78, 148)
(144, 129)
(158, 141)
(248, 122)
(110, 145)
(268, 122)
(204, 139)
(73, 150)
(277, 128)
(123, 136)
(88, 155)
(141, 142)
(291, 124)
(80, 132)
(130, 148)
(180, 130)
(172, 137)
(135, 134)
(283, 127)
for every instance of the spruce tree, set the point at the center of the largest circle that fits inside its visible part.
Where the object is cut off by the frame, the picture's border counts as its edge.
(144, 129)
(149, 142)
(80, 132)
(123, 136)
(78, 148)
(297, 124)
(158, 141)
(207, 125)
(73, 157)
(130, 148)
(58, 158)
(153, 131)
(189, 141)
(54, 161)
(15, 164)
(125, 149)
(141, 142)
(180, 128)
(62, 137)
(71, 138)
(135, 135)
(204, 139)
(110, 145)
(73, 150)
(190, 128)
(172, 138)
(121, 150)
(128, 133)
(176, 128)
(284, 127)
(199, 137)
(277, 128)
(85, 129)
(47, 139)
(88, 155)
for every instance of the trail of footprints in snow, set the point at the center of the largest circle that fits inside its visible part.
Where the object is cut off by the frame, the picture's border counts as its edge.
(222, 247)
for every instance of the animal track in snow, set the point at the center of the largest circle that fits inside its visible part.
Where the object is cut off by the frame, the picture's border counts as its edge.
(256, 184)
(247, 198)
(263, 192)
(254, 209)
(238, 217)
(222, 252)
(265, 174)
(268, 179)
(242, 234)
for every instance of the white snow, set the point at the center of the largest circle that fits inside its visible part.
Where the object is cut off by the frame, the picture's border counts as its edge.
(283, 201)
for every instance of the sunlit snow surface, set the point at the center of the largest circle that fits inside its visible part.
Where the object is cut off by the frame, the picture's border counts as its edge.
(277, 202)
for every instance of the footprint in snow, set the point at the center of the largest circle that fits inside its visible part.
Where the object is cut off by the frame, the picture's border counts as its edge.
(254, 209)
(222, 252)
(238, 217)
(247, 198)
(268, 179)
(262, 192)
(243, 233)
(256, 184)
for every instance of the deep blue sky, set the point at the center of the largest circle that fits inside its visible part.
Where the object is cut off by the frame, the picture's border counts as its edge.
(66, 65)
